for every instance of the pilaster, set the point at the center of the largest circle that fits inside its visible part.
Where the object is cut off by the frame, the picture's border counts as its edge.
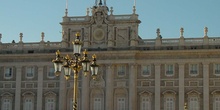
(181, 86)
(18, 88)
(157, 86)
(205, 86)
(85, 92)
(40, 88)
(62, 92)
(109, 87)
(133, 87)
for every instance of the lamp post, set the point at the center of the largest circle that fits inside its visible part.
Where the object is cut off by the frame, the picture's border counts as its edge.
(75, 64)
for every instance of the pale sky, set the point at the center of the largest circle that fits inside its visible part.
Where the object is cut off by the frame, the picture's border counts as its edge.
(31, 17)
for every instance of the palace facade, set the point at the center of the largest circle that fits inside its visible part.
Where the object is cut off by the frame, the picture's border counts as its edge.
(134, 74)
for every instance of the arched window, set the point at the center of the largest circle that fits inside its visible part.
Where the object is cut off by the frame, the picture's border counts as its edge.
(6, 101)
(216, 100)
(120, 103)
(216, 103)
(28, 99)
(193, 100)
(120, 97)
(169, 100)
(145, 100)
(97, 99)
(97, 104)
(193, 103)
(50, 101)
(28, 104)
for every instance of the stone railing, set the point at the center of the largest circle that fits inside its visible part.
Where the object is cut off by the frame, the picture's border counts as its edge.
(77, 19)
(88, 18)
(179, 41)
(33, 45)
(122, 17)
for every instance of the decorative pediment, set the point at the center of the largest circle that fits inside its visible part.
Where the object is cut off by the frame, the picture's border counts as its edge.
(28, 93)
(171, 92)
(145, 93)
(215, 92)
(193, 92)
(50, 94)
(6, 94)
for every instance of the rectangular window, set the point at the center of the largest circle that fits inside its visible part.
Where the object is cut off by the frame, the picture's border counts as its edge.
(6, 105)
(146, 70)
(28, 104)
(97, 104)
(30, 72)
(145, 103)
(121, 104)
(169, 103)
(217, 69)
(8, 72)
(51, 72)
(193, 103)
(169, 70)
(121, 70)
(193, 69)
(50, 104)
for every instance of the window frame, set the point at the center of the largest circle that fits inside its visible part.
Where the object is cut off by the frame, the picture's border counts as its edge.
(9, 103)
(48, 103)
(146, 68)
(121, 105)
(214, 102)
(193, 71)
(168, 71)
(97, 105)
(148, 102)
(217, 69)
(33, 70)
(10, 72)
(169, 101)
(121, 69)
(31, 102)
(192, 101)
(50, 71)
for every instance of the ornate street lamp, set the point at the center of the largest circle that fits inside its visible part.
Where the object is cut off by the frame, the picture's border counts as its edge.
(75, 64)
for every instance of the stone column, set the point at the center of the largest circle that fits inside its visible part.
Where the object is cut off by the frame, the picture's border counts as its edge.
(133, 87)
(181, 87)
(157, 86)
(205, 86)
(63, 93)
(109, 88)
(40, 88)
(85, 92)
(18, 88)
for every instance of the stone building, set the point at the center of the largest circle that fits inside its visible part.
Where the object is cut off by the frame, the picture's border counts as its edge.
(134, 73)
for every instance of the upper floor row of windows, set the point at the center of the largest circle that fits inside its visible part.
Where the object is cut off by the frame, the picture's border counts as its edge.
(146, 70)
(121, 70)
(29, 72)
